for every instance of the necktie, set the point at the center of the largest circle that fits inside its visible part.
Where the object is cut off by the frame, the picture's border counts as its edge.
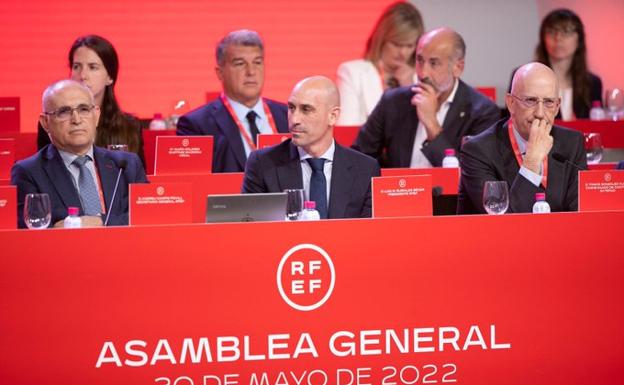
(318, 185)
(251, 118)
(88, 190)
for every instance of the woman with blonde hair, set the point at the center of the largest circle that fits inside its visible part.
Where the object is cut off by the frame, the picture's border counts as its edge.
(387, 63)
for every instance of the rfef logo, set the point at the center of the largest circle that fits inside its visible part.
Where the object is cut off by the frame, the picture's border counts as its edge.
(306, 277)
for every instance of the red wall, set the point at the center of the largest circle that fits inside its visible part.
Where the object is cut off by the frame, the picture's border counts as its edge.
(166, 48)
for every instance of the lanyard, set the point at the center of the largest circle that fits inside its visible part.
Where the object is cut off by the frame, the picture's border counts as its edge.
(242, 130)
(516, 150)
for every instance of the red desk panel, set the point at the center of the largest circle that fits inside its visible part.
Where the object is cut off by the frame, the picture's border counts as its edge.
(149, 146)
(612, 132)
(450, 298)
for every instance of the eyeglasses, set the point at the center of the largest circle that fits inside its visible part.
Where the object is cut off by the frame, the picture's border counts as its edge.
(563, 31)
(66, 112)
(531, 101)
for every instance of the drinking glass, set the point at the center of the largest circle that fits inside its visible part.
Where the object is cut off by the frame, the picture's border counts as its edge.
(593, 147)
(118, 147)
(614, 100)
(495, 197)
(37, 211)
(294, 205)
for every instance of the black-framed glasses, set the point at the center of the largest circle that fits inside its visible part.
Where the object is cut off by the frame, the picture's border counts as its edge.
(563, 31)
(531, 101)
(65, 112)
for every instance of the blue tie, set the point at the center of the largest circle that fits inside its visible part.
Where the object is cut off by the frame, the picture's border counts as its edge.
(88, 190)
(318, 185)
(253, 128)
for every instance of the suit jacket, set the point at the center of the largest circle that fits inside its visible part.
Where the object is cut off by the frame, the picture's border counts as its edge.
(620, 166)
(45, 172)
(388, 134)
(214, 119)
(489, 156)
(277, 168)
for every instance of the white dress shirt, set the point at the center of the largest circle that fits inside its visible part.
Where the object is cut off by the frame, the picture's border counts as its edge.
(262, 121)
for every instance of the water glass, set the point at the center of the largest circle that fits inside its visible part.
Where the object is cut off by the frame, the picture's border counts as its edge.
(496, 197)
(294, 205)
(593, 147)
(614, 101)
(37, 211)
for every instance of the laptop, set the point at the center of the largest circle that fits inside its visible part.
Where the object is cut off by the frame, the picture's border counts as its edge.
(246, 207)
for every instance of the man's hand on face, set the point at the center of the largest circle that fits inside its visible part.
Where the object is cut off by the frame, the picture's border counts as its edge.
(425, 100)
(539, 144)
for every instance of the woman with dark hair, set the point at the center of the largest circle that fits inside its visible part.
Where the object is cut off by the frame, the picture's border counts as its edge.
(562, 48)
(93, 61)
(388, 62)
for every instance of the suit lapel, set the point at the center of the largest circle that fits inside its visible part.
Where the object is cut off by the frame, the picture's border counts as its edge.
(60, 178)
(280, 119)
(341, 182)
(228, 127)
(556, 174)
(107, 171)
(458, 111)
(510, 166)
(407, 149)
(289, 169)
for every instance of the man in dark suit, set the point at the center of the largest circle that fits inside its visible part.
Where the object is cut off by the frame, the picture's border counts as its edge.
(526, 151)
(240, 113)
(338, 179)
(412, 126)
(71, 170)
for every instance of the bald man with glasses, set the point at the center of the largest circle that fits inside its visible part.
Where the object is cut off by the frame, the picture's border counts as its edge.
(72, 170)
(527, 150)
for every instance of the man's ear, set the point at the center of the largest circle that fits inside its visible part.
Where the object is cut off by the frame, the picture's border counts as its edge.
(219, 73)
(43, 120)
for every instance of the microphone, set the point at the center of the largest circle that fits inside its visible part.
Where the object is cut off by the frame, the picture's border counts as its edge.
(562, 159)
(122, 166)
(436, 191)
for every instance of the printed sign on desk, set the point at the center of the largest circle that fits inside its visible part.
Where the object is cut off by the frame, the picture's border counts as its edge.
(402, 196)
(160, 203)
(445, 178)
(183, 155)
(9, 114)
(268, 140)
(7, 157)
(601, 190)
(8, 207)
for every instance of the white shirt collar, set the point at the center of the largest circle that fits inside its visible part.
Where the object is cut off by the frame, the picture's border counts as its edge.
(451, 96)
(522, 144)
(69, 157)
(327, 155)
(242, 110)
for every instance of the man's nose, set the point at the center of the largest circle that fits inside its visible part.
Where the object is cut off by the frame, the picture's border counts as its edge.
(539, 110)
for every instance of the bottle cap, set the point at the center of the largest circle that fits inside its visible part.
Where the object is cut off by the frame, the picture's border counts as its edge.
(596, 103)
(309, 205)
(540, 196)
(158, 115)
(449, 152)
(73, 210)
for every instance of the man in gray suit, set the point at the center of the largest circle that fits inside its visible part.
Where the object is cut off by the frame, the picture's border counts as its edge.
(338, 179)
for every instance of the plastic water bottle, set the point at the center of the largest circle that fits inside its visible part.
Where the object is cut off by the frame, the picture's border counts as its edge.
(158, 123)
(541, 206)
(72, 220)
(597, 112)
(450, 160)
(309, 212)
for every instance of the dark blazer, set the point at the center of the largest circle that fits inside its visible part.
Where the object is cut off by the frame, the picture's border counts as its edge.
(214, 119)
(581, 110)
(277, 168)
(45, 172)
(388, 134)
(489, 156)
(620, 166)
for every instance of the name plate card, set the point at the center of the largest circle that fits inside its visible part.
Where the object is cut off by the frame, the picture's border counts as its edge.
(402, 196)
(9, 114)
(7, 157)
(183, 155)
(268, 140)
(446, 178)
(601, 190)
(8, 207)
(160, 203)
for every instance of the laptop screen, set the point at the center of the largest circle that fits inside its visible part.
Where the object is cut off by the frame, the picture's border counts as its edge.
(246, 207)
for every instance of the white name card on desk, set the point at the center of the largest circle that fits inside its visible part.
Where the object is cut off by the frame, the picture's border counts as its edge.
(601, 190)
(183, 155)
(8, 207)
(402, 196)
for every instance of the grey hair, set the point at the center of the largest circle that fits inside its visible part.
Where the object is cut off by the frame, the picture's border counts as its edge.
(244, 37)
(459, 46)
(58, 86)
